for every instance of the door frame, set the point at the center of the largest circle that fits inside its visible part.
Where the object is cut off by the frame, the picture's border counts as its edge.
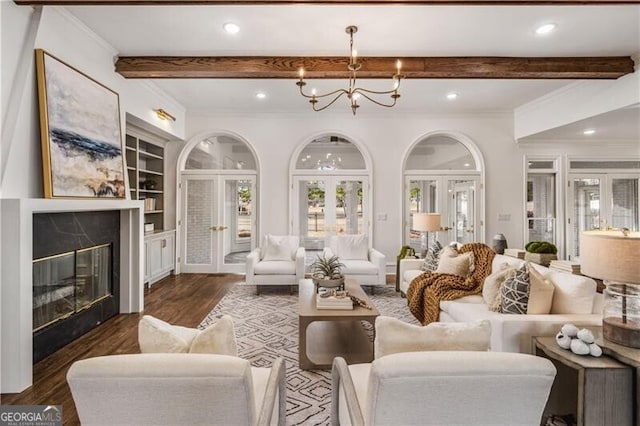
(219, 216)
(330, 180)
(442, 179)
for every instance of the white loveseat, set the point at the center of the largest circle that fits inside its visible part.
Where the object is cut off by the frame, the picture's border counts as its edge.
(575, 301)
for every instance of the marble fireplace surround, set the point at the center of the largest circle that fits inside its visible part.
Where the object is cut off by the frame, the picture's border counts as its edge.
(16, 298)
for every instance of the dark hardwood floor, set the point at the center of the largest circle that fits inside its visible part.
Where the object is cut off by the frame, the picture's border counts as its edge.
(184, 300)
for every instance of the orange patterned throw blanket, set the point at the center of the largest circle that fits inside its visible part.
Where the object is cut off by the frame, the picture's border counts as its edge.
(427, 290)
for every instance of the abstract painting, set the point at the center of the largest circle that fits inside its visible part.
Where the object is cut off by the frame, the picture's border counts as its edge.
(80, 133)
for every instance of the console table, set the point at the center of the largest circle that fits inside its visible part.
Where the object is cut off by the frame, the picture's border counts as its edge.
(599, 391)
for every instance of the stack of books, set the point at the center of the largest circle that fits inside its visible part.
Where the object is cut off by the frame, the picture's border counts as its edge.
(566, 266)
(149, 204)
(517, 253)
(332, 302)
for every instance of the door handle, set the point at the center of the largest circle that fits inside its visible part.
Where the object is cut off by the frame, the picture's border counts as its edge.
(222, 228)
(446, 228)
(213, 228)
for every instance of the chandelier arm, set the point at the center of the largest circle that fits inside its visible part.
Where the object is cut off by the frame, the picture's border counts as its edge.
(378, 102)
(342, 92)
(374, 92)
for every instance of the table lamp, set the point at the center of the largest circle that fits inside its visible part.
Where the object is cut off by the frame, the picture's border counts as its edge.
(613, 257)
(425, 223)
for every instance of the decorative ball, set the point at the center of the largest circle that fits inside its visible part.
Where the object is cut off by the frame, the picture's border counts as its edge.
(579, 347)
(595, 350)
(586, 336)
(569, 330)
(563, 341)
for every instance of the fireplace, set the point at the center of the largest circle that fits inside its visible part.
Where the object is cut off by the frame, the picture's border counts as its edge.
(75, 276)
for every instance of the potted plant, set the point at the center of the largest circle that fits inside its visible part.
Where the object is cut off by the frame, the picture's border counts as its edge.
(541, 252)
(327, 272)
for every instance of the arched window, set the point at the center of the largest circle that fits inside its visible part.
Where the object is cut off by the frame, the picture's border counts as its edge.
(443, 173)
(331, 195)
(218, 203)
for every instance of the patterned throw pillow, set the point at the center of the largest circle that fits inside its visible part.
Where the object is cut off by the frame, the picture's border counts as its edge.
(431, 259)
(515, 292)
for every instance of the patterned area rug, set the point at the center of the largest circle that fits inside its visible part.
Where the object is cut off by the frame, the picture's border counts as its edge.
(267, 327)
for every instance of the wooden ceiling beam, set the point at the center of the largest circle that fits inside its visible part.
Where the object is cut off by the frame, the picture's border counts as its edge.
(287, 67)
(321, 2)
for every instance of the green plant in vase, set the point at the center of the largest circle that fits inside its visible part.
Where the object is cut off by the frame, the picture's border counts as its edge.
(541, 252)
(327, 272)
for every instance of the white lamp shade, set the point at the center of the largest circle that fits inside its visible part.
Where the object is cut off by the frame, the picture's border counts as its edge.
(426, 222)
(609, 255)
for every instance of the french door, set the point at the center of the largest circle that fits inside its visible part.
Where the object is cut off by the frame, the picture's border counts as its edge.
(218, 222)
(329, 205)
(601, 201)
(454, 197)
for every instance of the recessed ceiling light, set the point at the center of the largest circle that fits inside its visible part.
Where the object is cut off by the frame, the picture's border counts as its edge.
(589, 131)
(452, 95)
(231, 28)
(261, 95)
(545, 29)
(467, 164)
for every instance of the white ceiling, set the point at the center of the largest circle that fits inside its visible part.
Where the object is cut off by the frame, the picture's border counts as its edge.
(306, 30)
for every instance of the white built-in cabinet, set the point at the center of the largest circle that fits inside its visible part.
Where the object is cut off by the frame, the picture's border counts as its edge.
(146, 170)
(159, 251)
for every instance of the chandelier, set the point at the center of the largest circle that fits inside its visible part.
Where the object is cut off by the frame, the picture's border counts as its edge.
(352, 91)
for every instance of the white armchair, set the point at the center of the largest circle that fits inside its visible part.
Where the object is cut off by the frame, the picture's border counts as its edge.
(177, 388)
(279, 261)
(366, 265)
(429, 388)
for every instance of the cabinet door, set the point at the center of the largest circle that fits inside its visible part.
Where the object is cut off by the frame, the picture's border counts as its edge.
(168, 253)
(155, 257)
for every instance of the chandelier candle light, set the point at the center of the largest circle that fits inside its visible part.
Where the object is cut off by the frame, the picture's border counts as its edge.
(613, 257)
(353, 93)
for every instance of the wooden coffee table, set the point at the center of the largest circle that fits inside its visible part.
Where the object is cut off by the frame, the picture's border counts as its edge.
(325, 333)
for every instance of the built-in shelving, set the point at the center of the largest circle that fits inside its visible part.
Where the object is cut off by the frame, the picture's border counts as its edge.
(145, 164)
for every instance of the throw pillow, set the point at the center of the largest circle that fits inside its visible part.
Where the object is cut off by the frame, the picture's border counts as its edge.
(157, 336)
(218, 338)
(430, 263)
(492, 284)
(352, 247)
(279, 248)
(451, 262)
(514, 292)
(540, 292)
(395, 336)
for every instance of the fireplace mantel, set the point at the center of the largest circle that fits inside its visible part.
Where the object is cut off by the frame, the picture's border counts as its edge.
(16, 215)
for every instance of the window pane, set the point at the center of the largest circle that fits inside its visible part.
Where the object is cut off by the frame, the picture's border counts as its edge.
(605, 165)
(586, 196)
(221, 153)
(440, 153)
(312, 217)
(422, 199)
(546, 164)
(541, 207)
(330, 153)
(349, 207)
(625, 203)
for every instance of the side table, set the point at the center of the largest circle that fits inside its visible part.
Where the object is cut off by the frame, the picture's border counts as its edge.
(599, 391)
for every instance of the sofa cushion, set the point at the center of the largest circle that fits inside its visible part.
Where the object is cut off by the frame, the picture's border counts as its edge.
(275, 267)
(474, 298)
(430, 263)
(359, 267)
(540, 293)
(217, 338)
(411, 274)
(492, 284)
(351, 247)
(500, 259)
(279, 247)
(451, 262)
(573, 294)
(514, 292)
(395, 336)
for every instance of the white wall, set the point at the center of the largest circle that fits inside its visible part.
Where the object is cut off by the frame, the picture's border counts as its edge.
(388, 139)
(64, 37)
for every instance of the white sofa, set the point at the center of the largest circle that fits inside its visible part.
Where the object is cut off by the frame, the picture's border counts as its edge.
(575, 301)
